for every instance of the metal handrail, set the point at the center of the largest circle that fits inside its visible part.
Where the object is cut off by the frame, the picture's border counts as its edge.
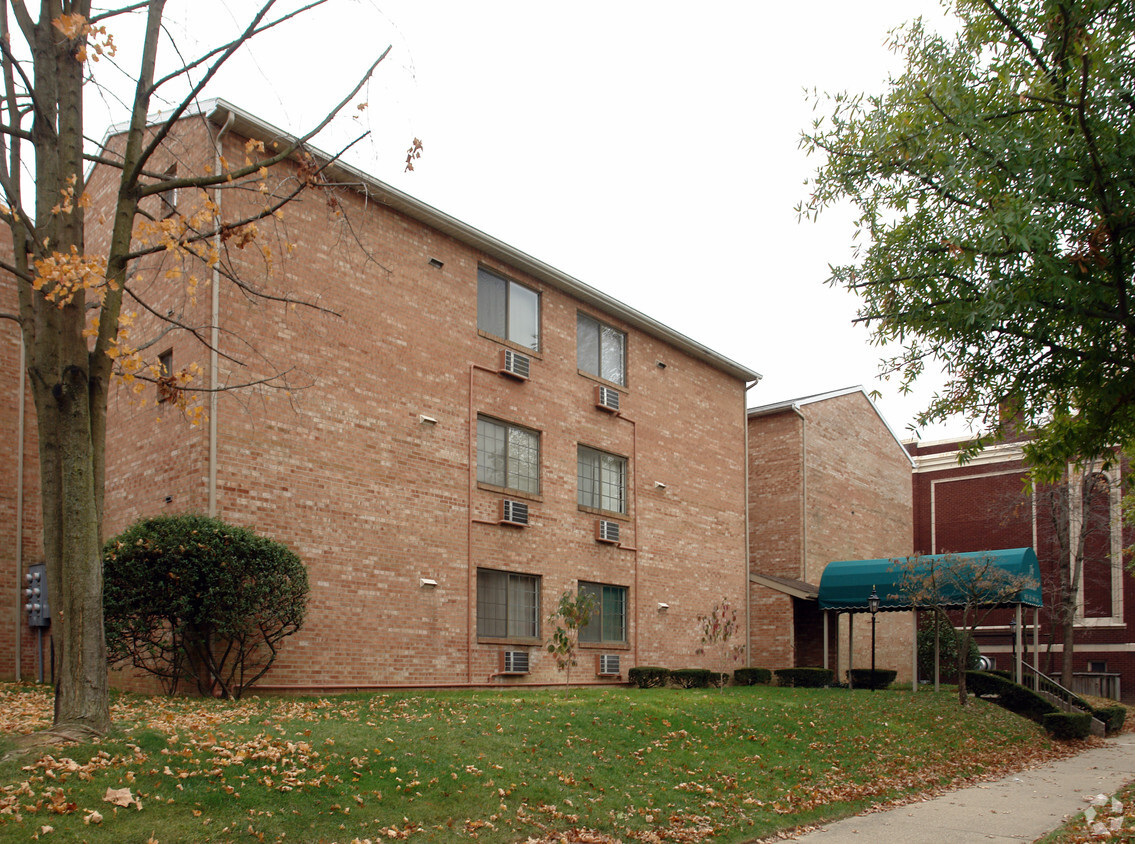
(1042, 682)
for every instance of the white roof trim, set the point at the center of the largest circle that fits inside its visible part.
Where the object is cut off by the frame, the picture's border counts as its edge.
(990, 455)
(780, 407)
(248, 125)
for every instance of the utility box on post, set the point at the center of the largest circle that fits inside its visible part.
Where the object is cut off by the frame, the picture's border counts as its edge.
(35, 596)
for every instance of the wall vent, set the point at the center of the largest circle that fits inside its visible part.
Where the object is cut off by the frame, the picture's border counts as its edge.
(607, 665)
(607, 399)
(607, 531)
(514, 662)
(515, 365)
(513, 513)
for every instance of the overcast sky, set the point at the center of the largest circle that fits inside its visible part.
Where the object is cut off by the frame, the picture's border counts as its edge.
(647, 148)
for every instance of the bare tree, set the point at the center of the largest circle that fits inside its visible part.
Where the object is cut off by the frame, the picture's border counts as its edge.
(970, 586)
(71, 295)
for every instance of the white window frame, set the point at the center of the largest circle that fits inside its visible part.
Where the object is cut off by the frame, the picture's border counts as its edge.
(512, 290)
(601, 328)
(595, 484)
(520, 473)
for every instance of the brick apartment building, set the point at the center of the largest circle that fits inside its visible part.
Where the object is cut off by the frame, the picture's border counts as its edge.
(828, 480)
(984, 504)
(471, 434)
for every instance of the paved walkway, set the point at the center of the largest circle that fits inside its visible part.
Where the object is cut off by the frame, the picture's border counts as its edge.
(1020, 807)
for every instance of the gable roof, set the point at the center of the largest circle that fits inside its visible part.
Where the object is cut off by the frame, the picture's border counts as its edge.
(246, 124)
(790, 404)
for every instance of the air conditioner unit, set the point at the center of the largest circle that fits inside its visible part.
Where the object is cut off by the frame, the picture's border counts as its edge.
(514, 662)
(607, 399)
(607, 665)
(607, 531)
(513, 513)
(515, 365)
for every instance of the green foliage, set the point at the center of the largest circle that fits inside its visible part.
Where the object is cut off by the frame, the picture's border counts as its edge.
(865, 678)
(1015, 698)
(807, 677)
(947, 649)
(993, 180)
(692, 678)
(752, 677)
(1067, 725)
(1112, 717)
(571, 615)
(649, 676)
(190, 598)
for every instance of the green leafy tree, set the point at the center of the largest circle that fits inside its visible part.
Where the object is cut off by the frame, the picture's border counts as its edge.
(572, 614)
(75, 291)
(192, 599)
(970, 587)
(718, 629)
(994, 181)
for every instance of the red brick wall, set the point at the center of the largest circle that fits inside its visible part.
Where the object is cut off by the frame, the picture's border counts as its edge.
(373, 499)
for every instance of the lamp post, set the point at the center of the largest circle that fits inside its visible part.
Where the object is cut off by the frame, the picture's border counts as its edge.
(873, 608)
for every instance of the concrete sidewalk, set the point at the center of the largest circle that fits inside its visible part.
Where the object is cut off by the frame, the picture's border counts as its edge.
(1020, 807)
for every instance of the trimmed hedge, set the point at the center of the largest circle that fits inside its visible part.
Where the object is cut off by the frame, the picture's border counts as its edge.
(805, 678)
(1018, 699)
(752, 677)
(1068, 725)
(692, 678)
(649, 676)
(1112, 717)
(864, 678)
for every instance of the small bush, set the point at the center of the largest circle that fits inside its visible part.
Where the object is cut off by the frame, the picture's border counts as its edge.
(692, 678)
(1018, 699)
(805, 678)
(1112, 717)
(1068, 725)
(864, 678)
(649, 676)
(752, 677)
(947, 649)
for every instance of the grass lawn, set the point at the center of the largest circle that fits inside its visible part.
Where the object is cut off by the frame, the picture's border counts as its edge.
(498, 765)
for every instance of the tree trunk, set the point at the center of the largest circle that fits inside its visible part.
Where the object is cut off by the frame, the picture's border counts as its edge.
(1068, 635)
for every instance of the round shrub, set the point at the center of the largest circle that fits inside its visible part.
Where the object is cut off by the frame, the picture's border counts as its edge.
(865, 678)
(947, 649)
(808, 677)
(649, 676)
(191, 599)
(752, 677)
(692, 678)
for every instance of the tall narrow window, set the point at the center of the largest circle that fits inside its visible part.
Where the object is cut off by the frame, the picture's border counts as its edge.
(166, 389)
(508, 605)
(600, 349)
(508, 310)
(602, 480)
(508, 456)
(608, 622)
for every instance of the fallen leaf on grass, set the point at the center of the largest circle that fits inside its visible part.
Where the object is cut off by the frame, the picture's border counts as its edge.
(122, 797)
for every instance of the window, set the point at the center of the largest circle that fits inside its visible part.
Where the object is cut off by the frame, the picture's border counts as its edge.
(1097, 666)
(602, 480)
(166, 388)
(508, 310)
(169, 197)
(508, 456)
(608, 622)
(600, 349)
(508, 605)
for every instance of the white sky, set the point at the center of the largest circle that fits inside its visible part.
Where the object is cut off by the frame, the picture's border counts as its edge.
(647, 148)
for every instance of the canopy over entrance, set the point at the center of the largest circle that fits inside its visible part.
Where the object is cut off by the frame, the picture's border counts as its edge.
(845, 585)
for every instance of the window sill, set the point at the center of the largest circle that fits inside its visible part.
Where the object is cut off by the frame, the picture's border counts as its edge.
(511, 493)
(520, 347)
(604, 646)
(614, 385)
(607, 514)
(510, 640)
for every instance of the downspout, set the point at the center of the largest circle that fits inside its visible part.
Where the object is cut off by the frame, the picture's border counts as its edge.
(470, 621)
(803, 491)
(215, 327)
(748, 547)
(20, 399)
(634, 522)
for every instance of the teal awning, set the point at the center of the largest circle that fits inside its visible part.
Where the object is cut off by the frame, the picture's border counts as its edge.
(845, 585)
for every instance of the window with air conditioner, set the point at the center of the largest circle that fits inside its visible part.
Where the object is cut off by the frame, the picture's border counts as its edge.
(508, 605)
(508, 456)
(602, 480)
(508, 310)
(608, 624)
(600, 349)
